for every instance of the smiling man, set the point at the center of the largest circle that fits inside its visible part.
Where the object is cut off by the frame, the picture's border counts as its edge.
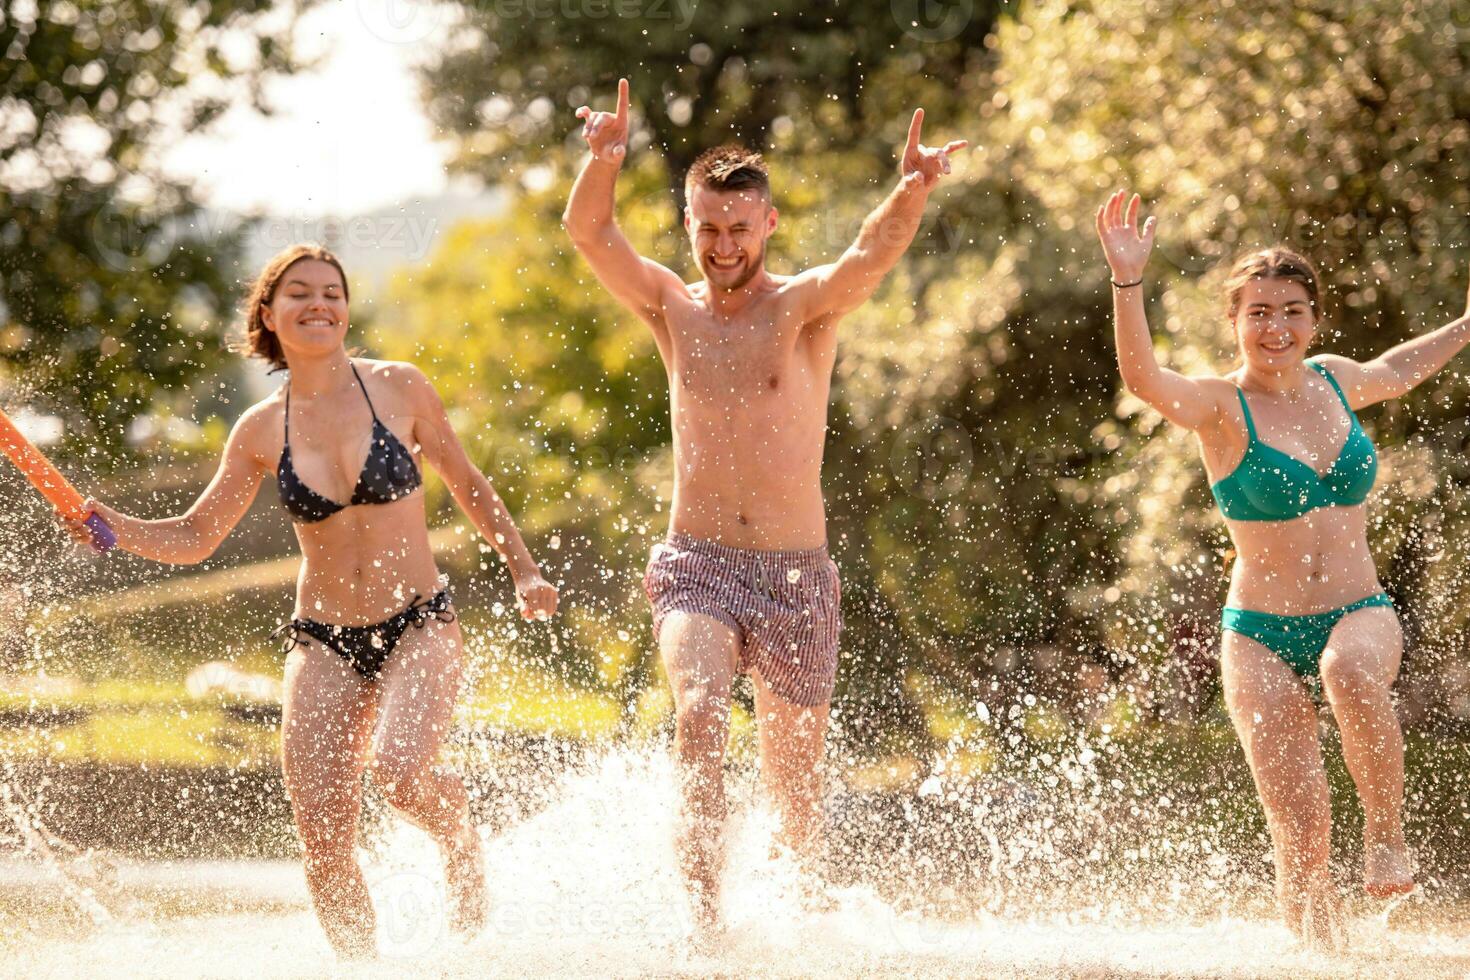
(743, 582)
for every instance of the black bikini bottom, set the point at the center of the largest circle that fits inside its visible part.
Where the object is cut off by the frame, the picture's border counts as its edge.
(367, 648)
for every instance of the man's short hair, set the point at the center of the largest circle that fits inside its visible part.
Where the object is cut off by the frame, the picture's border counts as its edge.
(728, 167)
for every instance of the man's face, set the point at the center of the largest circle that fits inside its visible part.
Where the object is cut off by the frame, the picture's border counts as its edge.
(728, 232)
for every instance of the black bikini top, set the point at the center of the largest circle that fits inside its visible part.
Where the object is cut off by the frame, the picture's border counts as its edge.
(389, 473)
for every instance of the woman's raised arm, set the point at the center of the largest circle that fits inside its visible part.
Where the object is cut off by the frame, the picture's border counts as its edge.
(1189, 402)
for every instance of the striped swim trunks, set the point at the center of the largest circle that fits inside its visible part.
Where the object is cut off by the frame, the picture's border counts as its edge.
(785, 606)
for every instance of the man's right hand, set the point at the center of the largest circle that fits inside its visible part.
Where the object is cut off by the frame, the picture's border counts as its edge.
(607, 132)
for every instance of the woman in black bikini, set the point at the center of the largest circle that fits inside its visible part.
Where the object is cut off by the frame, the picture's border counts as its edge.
(362, 688)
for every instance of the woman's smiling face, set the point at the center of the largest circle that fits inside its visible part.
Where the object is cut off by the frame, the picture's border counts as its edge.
(1274, 323)
(308, 312)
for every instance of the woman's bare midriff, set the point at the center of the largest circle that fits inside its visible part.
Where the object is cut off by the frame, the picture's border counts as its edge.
(1314, 563)
(366, 563)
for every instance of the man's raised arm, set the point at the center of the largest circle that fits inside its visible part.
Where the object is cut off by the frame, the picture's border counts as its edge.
(840, 287)
(638, 283)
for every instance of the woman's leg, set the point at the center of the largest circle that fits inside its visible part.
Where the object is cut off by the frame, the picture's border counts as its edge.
(418, 688)
(1358, 671)
(328, 716)
(1278, 730)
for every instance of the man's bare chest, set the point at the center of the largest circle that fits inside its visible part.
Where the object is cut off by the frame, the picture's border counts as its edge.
(753, 358)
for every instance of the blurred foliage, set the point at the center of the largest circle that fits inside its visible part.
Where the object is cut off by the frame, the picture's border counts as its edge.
(838, 76)
(1026, 550)
(113, 282)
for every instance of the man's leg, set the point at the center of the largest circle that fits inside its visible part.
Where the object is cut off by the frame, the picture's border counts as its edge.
(700, 655)
(792, 747)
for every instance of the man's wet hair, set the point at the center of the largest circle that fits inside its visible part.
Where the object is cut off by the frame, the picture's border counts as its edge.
(728, 167)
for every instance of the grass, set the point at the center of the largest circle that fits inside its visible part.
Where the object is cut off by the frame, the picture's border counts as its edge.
(542, 705)
(157, 723)
(159, 734)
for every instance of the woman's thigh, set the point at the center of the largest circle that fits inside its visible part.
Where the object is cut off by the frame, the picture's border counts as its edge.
(417, 692)
(327, 719)
(1274, 717)
(1368, 643)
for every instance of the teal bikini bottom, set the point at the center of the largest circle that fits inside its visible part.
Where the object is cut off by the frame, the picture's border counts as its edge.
(1297, 640)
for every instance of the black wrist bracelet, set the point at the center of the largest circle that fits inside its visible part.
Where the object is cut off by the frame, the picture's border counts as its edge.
(1125, 285)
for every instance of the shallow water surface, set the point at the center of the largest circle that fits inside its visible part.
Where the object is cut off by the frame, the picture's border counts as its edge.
(584, 886)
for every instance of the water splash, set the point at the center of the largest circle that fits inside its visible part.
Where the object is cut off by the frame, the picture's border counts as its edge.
(583, 884)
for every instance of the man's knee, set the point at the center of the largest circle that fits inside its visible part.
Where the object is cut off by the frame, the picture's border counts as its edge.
(701, 712)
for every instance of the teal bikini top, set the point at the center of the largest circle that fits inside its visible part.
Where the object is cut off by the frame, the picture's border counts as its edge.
(1270, 485)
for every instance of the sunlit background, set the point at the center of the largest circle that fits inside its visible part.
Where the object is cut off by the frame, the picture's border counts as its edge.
(1030, 751)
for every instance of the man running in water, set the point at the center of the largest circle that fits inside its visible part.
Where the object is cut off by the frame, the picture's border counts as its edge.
(743, 583)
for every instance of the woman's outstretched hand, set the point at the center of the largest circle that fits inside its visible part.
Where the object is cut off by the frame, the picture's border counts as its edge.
(1126, 245)
(536, 597)
(76, 526)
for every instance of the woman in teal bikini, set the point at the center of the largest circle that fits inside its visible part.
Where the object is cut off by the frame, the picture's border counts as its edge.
(1291, 468)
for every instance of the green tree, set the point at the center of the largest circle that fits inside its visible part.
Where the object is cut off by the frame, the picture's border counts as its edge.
(1009, 524)
(113, 281)
(787, 73)
(558, 396)
(828, 94)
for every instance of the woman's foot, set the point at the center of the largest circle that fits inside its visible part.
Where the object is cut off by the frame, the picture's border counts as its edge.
(464, 875)
(1322, 923)
(708, 938)
(1314, 916)
(1388, 869)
